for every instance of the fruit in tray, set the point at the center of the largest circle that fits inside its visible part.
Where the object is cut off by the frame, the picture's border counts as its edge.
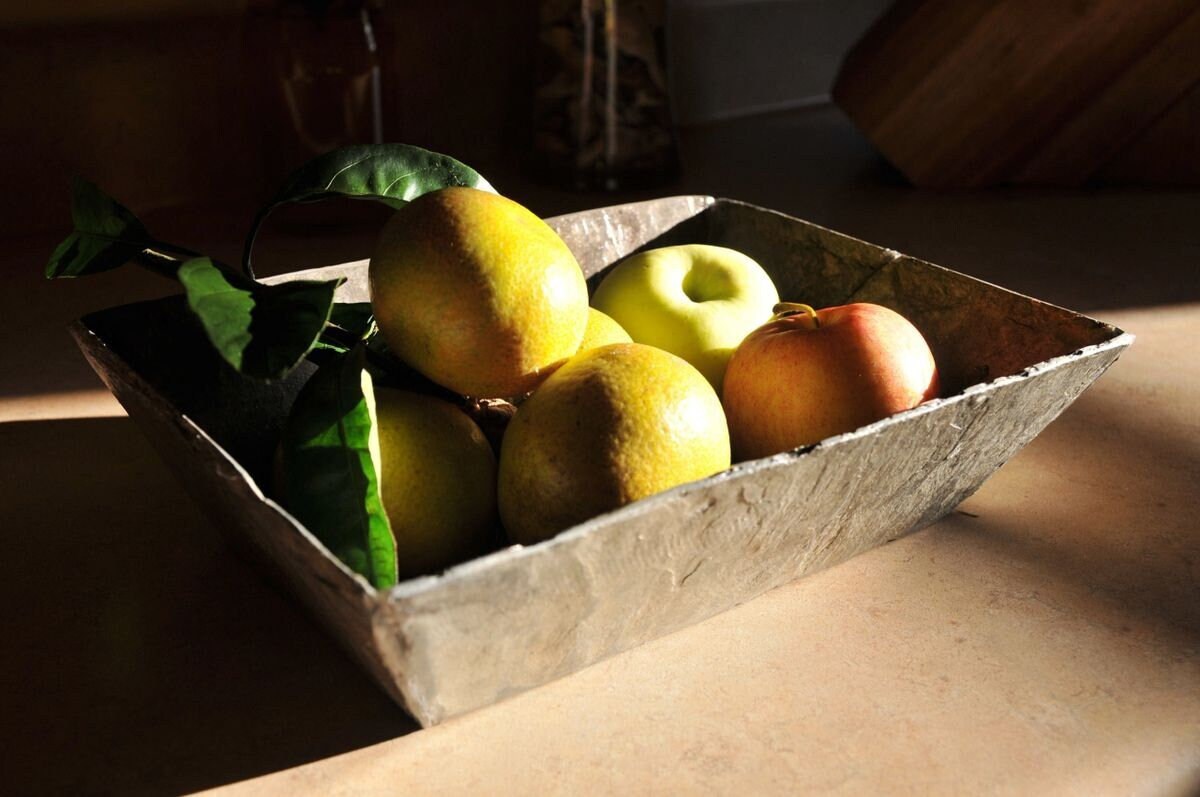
(437, 477)
(477, 293)
(610, 403)
(466, 284)
(602, 330)
(696, 301)
(811, 374)
(612, 425)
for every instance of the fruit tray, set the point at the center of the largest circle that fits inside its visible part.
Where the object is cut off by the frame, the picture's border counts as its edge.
(521, 616)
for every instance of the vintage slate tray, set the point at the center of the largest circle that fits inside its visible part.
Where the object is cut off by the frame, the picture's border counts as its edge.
(519, 617)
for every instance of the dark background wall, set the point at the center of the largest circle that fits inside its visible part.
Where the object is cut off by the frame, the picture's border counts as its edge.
(159, 101)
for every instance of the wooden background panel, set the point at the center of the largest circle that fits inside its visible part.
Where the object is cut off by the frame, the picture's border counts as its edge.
(1122, 111)
(964, 94)
(1168, 152)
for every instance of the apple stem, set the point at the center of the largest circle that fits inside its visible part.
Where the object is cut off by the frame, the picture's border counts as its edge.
(785, 309)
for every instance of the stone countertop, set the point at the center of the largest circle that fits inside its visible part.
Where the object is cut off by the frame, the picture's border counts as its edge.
(1045, 638)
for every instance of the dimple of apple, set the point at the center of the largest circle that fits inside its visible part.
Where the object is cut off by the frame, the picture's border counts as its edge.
(696, 301)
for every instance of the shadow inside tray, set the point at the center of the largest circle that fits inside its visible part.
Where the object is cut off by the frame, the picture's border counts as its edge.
(150, 658)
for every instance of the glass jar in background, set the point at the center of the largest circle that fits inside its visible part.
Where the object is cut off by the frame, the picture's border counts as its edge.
(315, 70)
(602, 115)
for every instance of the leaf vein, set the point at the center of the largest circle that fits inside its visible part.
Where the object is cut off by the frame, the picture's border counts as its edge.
(345, 168)
(388, 187)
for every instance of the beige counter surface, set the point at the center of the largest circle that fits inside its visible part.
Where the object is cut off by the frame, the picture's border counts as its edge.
(1045, 638)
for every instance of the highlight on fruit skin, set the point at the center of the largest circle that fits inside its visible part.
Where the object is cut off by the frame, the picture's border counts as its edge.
(808, 374)
(613, 425)
(477, 293)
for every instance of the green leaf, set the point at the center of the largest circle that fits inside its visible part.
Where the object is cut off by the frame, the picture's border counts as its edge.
(106, 235)
(262, 331)
(394, 174)
(350, 323)
(354, 318)
(330, 454)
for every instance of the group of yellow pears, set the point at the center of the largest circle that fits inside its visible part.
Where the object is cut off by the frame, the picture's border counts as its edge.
(482, 297)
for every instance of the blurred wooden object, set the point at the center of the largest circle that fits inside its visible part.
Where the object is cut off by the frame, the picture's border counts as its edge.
(1167, 152)
(967, 94)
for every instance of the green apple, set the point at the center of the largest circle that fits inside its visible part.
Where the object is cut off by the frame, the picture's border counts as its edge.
(696, 301)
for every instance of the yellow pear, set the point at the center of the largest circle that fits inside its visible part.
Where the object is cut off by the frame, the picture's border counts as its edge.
(612, 425)
(437, 478)
(602, 330)
(477, 293)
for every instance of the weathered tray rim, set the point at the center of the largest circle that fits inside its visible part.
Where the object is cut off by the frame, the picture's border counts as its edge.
(421, 584)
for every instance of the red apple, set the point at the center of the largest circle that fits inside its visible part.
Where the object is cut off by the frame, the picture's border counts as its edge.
(808, 374)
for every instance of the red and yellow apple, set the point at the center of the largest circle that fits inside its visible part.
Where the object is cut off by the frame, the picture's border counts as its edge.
(809, 374)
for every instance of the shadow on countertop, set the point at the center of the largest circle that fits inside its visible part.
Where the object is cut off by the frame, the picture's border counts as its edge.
(141, 656)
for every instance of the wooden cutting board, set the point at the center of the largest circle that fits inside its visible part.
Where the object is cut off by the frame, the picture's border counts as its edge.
(968, 93)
